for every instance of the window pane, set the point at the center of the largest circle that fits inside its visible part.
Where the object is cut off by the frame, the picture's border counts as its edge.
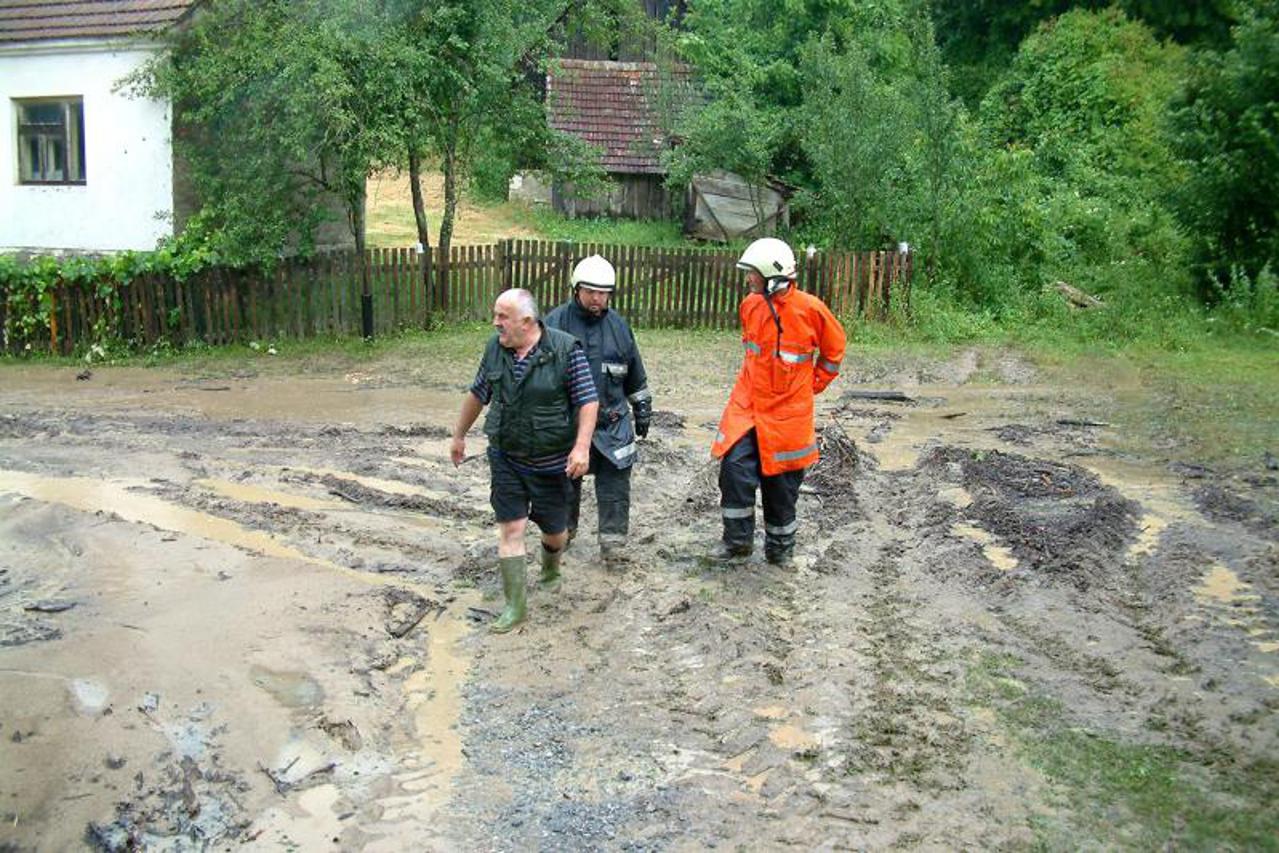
(51, 141)
(75, 141)
(50, 113)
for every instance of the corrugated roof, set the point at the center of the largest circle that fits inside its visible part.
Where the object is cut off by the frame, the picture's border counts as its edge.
(614, 105)
(24, 21)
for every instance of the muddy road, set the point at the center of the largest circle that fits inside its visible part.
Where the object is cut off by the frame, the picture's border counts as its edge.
(245, 604)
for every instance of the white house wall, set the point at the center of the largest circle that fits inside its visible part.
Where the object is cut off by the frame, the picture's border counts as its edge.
(127, 199)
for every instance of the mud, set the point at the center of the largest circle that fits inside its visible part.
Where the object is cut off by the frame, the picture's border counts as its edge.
(256, 616)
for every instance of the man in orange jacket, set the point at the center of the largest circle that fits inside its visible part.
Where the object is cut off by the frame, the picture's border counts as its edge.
(766, 438)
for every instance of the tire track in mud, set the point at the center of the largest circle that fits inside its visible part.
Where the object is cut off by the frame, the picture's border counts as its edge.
(760, 706)
(679, 703)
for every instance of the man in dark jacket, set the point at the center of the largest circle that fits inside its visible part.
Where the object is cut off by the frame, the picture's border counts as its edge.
(542, 409)
(626, 404)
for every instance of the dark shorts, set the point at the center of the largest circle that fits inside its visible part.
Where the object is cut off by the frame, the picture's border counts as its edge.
(541, 498)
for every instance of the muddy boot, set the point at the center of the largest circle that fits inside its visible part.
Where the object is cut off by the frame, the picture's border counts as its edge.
(613, 552)
(779, 548)
(779, 555)
(513, 588)
(550, 578)
(729, 552)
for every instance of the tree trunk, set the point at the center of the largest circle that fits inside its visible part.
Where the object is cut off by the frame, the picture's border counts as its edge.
(355, 218)
(450, 208)
(423, 228)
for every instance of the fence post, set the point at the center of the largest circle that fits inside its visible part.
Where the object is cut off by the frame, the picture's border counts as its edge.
(501, 251)
(53, 320)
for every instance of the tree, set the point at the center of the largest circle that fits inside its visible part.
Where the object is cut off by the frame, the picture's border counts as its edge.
(282, 108)
(980, 37)
(1226, 130)
(1086, 99)
(287, 104)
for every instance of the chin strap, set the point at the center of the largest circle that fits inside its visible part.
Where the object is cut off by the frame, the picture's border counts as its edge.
(777, 321)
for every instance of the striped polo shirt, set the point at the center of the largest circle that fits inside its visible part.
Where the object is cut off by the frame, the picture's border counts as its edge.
(581, 390)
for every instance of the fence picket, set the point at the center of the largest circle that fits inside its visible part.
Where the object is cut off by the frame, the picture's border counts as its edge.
(683, 287)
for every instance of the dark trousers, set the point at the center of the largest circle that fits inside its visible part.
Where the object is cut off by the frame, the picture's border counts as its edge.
(739, 478)
(612, 497)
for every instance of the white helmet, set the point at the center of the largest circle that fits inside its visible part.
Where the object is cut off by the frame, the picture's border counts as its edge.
(772, 259)
(594, 272)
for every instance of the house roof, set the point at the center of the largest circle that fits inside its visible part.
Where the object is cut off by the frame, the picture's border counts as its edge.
(25, 21)
(616, 106)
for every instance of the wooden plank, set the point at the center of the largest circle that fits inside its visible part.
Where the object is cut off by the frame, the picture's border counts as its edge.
(473, 289)
(311, 286)
(890, 259)
(400, 286)
(331, 304)
(706, 287)
(214, 333)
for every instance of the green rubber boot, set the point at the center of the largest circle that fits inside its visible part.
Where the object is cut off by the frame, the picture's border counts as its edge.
(550, 579)
(513, 587)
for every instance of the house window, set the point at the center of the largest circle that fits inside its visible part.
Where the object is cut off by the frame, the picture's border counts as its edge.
(51, 141)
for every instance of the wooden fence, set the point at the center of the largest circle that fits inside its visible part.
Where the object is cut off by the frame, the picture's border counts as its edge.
(322, 296)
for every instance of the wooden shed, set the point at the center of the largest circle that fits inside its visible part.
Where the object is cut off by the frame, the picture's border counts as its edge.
(723, 206)
(624, 108)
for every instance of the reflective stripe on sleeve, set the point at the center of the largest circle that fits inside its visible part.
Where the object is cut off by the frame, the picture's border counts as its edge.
(782, 530)
(751, 347)
(787, 455)
(613, 368)
(794, 357)
(828, 366)
(720, 438)
(641, 395)
(625, 451)
(739, 511)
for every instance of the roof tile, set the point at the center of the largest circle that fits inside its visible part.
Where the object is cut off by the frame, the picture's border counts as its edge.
(24, 21)
(615, 105)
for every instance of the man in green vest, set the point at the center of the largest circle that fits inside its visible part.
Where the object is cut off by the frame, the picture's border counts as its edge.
(542, 408)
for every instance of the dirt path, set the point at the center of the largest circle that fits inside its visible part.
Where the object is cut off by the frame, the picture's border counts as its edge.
(248, 604)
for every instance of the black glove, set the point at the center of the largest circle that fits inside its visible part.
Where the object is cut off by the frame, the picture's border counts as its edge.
(643, 417)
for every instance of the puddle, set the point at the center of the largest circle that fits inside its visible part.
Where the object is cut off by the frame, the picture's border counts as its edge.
(1152, 527)
(793, 738)
(961, 419)
(738, 762)
(433, 695)
(999, 556)
(1223, 586)
(1160, 494)
(121, 498)
(772, 712)
(290, 689)
(258, 495)
(394, 487)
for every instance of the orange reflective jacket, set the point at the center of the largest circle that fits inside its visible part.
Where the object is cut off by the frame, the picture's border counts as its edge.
(781, 373)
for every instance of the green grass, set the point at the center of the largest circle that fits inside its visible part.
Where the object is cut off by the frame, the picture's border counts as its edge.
(480, 222)
(1118, 792)
(633, 232)
(1214, 402)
